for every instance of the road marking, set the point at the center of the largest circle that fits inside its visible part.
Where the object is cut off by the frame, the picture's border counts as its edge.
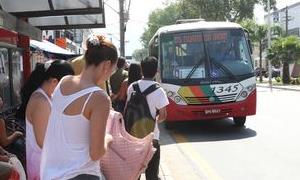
(199, 161)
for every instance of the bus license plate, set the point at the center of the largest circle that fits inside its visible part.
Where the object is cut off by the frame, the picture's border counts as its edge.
(212, 111)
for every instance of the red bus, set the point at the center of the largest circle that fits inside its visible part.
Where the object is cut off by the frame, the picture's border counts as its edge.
(206, 70)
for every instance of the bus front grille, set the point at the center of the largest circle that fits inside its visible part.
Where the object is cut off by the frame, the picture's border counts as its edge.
(210, 99)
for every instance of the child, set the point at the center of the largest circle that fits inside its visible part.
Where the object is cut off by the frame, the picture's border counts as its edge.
(5, 139)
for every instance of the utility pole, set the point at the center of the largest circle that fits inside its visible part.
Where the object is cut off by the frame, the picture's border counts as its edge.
(287, 19)
(269, 45)
(122, 28)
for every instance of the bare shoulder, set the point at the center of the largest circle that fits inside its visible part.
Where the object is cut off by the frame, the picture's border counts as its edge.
(69, 84)
(38, 100)
(69, 80)
(38, 97)
(100, 100)
(100, 97)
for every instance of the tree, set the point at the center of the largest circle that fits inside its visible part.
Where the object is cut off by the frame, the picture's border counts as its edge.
(231, 10)
(140, 54)
(257, 33)
(166, 16)
(210, 10)
(285, 50)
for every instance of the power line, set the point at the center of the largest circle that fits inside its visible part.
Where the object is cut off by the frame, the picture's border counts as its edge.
(111, 8)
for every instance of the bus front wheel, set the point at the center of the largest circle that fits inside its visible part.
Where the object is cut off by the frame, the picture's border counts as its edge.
(239, 121)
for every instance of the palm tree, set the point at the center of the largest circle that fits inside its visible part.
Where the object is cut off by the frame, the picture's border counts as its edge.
(285, 50)
(260, 35)
(257, 33)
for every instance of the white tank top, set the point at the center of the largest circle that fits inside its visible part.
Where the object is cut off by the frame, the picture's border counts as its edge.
(33, 151)
(66, 146)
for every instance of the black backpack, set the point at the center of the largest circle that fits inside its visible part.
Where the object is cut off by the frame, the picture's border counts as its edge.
(137, 116)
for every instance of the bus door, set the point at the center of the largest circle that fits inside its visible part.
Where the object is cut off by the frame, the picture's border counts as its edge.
(4, 78)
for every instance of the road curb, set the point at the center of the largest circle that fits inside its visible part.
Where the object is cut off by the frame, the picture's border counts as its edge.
(164, 172)
(278, 87)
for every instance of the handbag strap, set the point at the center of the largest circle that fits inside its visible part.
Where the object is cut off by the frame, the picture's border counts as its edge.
(116, 122)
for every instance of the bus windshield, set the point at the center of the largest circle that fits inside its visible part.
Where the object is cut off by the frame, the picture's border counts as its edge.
(205, 55)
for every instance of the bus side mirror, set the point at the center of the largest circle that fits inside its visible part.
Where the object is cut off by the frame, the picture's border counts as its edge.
(250, 46)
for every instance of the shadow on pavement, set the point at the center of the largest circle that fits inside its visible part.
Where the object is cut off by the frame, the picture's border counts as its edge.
(209, 130)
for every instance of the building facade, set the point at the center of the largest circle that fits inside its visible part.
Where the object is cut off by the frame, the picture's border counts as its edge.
(287, 18)
(70, 39)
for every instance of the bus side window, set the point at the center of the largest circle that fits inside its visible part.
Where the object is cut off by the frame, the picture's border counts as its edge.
(154, 48)
(2, 67)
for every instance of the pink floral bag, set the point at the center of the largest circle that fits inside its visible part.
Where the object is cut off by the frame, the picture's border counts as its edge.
(127, 156)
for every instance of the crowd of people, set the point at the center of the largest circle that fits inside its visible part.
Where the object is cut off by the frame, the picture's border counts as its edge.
(66, 105)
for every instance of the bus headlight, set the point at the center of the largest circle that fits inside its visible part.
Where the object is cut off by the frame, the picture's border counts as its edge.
(251, 87)
(245, 92)
(177, 99)
(170, 94)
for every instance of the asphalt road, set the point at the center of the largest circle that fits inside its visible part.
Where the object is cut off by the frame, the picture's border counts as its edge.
(267, 148)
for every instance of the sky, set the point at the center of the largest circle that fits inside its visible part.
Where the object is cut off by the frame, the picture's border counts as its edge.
(138, 17)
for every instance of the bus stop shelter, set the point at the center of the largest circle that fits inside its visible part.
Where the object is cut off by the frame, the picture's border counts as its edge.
(22, 20)
(29, 17)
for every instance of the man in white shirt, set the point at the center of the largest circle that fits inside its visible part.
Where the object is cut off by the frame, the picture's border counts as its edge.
(157, 102)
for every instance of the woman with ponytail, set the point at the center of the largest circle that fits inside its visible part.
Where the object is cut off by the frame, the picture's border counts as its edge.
(36, 96)
(75, 139)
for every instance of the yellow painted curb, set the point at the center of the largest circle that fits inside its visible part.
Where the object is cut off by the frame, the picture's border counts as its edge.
(194, 156)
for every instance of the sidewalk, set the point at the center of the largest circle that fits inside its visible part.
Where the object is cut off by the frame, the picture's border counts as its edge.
(164, 172)
(283, 87)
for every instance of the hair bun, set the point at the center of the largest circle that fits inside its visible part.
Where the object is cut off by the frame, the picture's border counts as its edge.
(101, 38)
(47, 64)
(93, 40)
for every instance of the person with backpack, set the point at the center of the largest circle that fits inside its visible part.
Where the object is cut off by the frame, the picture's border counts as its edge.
(145, 109)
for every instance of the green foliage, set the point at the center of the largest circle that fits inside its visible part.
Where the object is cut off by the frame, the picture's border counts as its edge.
(166, 16)
(278, 79)
(140, 54)
(276, 31)
(285, 51)
(251, 27)
(221, 10)
(210, 10)
(295, 81)
(258, 34)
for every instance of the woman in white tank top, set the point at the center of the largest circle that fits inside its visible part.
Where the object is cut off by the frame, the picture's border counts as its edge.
(75, 139)
(36, 96)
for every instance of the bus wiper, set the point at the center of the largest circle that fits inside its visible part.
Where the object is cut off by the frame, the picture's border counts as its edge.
(193, 70)
(224, 68)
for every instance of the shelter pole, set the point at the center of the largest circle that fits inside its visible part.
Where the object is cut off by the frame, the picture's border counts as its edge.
(122, 28)
(24, 43)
